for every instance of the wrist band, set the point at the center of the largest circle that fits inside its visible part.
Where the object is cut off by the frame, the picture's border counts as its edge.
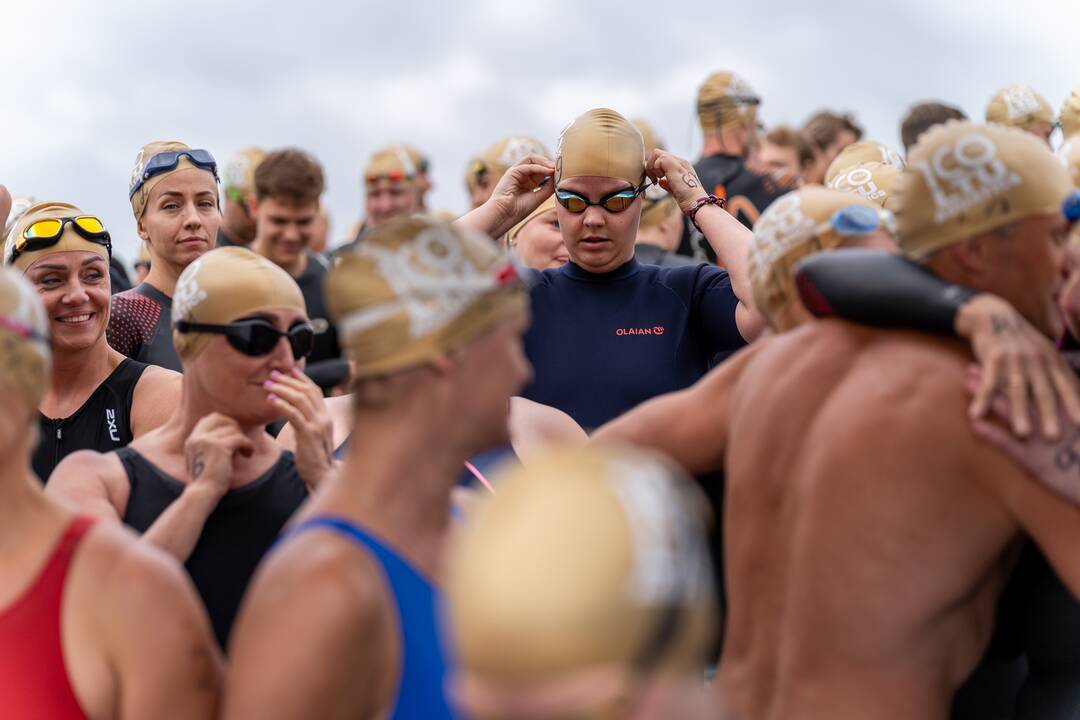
(700, 203)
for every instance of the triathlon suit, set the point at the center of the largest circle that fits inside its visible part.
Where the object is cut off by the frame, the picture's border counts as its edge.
(421, 688)
(642, 330)
(746, 192)
(140, 327)
(236, 534)
(647, 254)
(312, 282)
(32, 670)
(103, 423)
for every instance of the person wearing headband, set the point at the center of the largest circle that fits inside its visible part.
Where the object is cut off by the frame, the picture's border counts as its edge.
(211, 486)
(237, 224)
(1021, 107)
(980, 206)
(727, 110)
(645, 330)
(92, 624)
(288, 187)
(174, 197)
(612, 616)
(98, 399)
(432, 317)
(486, 169)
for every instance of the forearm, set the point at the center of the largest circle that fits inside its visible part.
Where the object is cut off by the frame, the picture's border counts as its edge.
(488, 220)
(730, 240)
(880, 289)
(177, 529)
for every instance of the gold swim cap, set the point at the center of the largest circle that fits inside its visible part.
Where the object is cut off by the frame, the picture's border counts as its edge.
(860, 153)
(1070, 115)
(19, 205)
(872, 180)
(1018, 106)
(648, 135)
(1069, 155)
(587, 557)
(725, 100)
(791, 228)
(656, 207)
(70, 240)
(391, 165)
(600, 143)
(240, 173)
(24, 339)
(414, 289)
(548, 204)
(224, 285)
(965, 179)
(142, 195)
(501, 156)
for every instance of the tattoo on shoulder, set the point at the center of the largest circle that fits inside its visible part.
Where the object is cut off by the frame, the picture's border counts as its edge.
(1067, 454)
(196, 467)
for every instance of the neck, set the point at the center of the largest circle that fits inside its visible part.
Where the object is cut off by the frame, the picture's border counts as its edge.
(397, 480)
(193, 408)
(73, 372)
(718, 142)
(163, 276)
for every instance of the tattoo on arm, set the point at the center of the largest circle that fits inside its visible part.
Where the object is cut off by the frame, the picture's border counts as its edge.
(1067, 455)
(197, 465)
(690, 180)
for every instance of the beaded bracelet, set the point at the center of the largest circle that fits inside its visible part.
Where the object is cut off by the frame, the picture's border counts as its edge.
(702, 202)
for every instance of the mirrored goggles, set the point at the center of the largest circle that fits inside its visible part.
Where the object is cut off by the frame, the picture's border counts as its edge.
(43, 234)
(614, 202)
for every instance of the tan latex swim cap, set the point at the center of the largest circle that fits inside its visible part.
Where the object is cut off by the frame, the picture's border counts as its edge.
(390, 166)
(501, 156)
(587, 557)
(788, 231)
(224, 285)
(724, 100)
(964, 179)
(656, 207)
(1069, 155)
(860, 153)
(1070, 115)
(1018, 106)
(873, 181)
(70, 241)
(142, 195)
(648, 135)
(545, 206)
(414, 289)
(600, 143)
(24, 339)
(240, 173)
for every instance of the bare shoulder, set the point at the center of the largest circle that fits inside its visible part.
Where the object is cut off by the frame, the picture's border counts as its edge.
(157, 395)
(157, 380)
(317, 596)
(542, 425)
(91, 481)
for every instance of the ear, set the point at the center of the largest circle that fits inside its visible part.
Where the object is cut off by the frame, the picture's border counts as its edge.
(970, 255)
(252, 204)
(141, 229)
(443, 364)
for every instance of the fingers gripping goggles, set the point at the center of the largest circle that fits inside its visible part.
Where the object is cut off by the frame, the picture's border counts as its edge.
(45, 233)
(165, 161)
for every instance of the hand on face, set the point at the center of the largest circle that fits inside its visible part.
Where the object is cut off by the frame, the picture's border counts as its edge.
(301, 403)
(677, 176)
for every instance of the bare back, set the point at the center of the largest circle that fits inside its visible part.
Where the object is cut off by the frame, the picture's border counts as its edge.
(865, 543)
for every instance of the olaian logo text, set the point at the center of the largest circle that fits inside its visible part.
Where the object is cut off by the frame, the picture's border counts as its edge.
(654, 330)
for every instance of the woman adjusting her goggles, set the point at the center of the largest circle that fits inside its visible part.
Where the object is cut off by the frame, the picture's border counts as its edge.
(603, 300)
(65, 253)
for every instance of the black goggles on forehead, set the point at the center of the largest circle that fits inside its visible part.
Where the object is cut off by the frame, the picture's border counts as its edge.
(614, 202)
(166, 161)
(257, 337)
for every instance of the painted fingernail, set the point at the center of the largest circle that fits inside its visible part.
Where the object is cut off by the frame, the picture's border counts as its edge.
(275, 374)
(268, 384)
(272, 397)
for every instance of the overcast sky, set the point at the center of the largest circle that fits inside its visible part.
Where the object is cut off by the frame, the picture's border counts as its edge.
(86, 84)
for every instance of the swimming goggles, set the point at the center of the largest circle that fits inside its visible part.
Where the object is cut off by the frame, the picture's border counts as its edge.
(165, 161)
(45, 233)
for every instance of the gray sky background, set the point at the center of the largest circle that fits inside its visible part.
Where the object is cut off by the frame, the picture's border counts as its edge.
(86, 84)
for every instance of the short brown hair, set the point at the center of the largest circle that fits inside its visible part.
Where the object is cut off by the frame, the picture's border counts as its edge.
(824, 126)
(785, 136)
(290, 174)
(924, 116)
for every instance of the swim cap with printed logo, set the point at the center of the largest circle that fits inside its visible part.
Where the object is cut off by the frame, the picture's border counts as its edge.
(965, 179)
(1070, 115)
(860, 153)
(1018, 106)
(70, 240)
(240, 173)
(874, 181)
(24, 340)
(500, 157)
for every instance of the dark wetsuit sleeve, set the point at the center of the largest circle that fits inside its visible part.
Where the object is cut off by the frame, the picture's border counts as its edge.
(879, 289)
(715, 303)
